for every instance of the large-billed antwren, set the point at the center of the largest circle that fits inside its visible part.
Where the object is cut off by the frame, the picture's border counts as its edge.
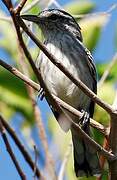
(64, 40)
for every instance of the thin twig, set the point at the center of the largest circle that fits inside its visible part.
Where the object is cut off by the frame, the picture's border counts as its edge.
(20, 6)
(9, 149)
(36, 158)
(102, 158)
(49, 165)
(21, 147)
(107, 12)
(36, 86)
(8, 4)
(18, 74)
(48, 96)
(37, 117)
(30, 6)
(64, 162)
(107, 71)
(110, 156)
(5, 18)
(55, 3)
(113, 141)
(115, 101)
(77, 113)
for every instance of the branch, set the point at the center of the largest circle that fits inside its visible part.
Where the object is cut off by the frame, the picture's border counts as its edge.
(115, 101)
(89, 140)
(21, 76)
(8, 4)
(102, 158)
(113, 141)
(36, 159)
(49, 163)
(107, 12)
(5, 18)
(107, 71)
(36, 86)
(77, 113)
(20, 6)
(30, 6)
(100, 83)
(38, 120)
(64, 163)
(8, 147)
(55, 3)
(24, 152)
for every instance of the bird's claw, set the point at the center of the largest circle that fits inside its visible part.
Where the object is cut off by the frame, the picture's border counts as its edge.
(84, 120)
(41, 94)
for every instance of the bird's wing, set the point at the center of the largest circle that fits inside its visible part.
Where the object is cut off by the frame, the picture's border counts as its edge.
(92, 69)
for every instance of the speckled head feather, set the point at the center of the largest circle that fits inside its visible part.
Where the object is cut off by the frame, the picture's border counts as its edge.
(51, 19)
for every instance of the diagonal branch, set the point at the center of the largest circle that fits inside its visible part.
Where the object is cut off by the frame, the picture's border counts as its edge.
(36, 86)
(37, 117)
(64, 163)
(30, 6)
(77, 113)
(113, 141)
(99, 148)
(20, 6)
(107, 71)
(9, 149)
(18, 143)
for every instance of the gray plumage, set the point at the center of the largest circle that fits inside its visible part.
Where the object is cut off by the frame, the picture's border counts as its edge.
(64, 40)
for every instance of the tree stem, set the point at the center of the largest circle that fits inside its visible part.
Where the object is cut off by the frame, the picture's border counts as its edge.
(113, 146)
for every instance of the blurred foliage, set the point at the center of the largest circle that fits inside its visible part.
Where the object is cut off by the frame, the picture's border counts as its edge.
(91, 28)
(79, 7)
(112, 77)
(13, 93)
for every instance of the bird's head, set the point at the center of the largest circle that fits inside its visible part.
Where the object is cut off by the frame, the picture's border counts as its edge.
(55, 20)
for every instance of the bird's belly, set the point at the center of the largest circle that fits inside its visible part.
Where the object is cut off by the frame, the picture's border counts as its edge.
(62, 86)
(58, 83)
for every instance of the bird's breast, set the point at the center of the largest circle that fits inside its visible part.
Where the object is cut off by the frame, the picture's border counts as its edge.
(55, 80)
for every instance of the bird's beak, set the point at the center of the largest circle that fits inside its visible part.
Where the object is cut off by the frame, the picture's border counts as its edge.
(32, 18)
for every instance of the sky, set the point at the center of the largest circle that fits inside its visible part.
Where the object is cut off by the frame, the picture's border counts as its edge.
(107, 44)
(104, 52)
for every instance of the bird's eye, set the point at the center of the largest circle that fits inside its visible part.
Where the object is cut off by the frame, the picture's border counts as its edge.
(53, 17)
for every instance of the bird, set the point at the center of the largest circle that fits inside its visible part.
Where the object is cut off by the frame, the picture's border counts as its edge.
(63, 39)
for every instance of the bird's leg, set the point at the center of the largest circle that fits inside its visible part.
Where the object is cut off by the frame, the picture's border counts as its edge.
(84, 121)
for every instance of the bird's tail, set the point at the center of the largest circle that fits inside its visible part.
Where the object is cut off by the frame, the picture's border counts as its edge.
(86, 162)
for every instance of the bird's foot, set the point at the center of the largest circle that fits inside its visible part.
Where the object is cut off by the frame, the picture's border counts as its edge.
(84, 120)
(41, 94)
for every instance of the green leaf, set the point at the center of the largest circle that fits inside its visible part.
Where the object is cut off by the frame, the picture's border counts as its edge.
(6, 110)
(14, 94)
(8, 39)
(106, 93)
(91, 28)
(80, 7)
(112, 77)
